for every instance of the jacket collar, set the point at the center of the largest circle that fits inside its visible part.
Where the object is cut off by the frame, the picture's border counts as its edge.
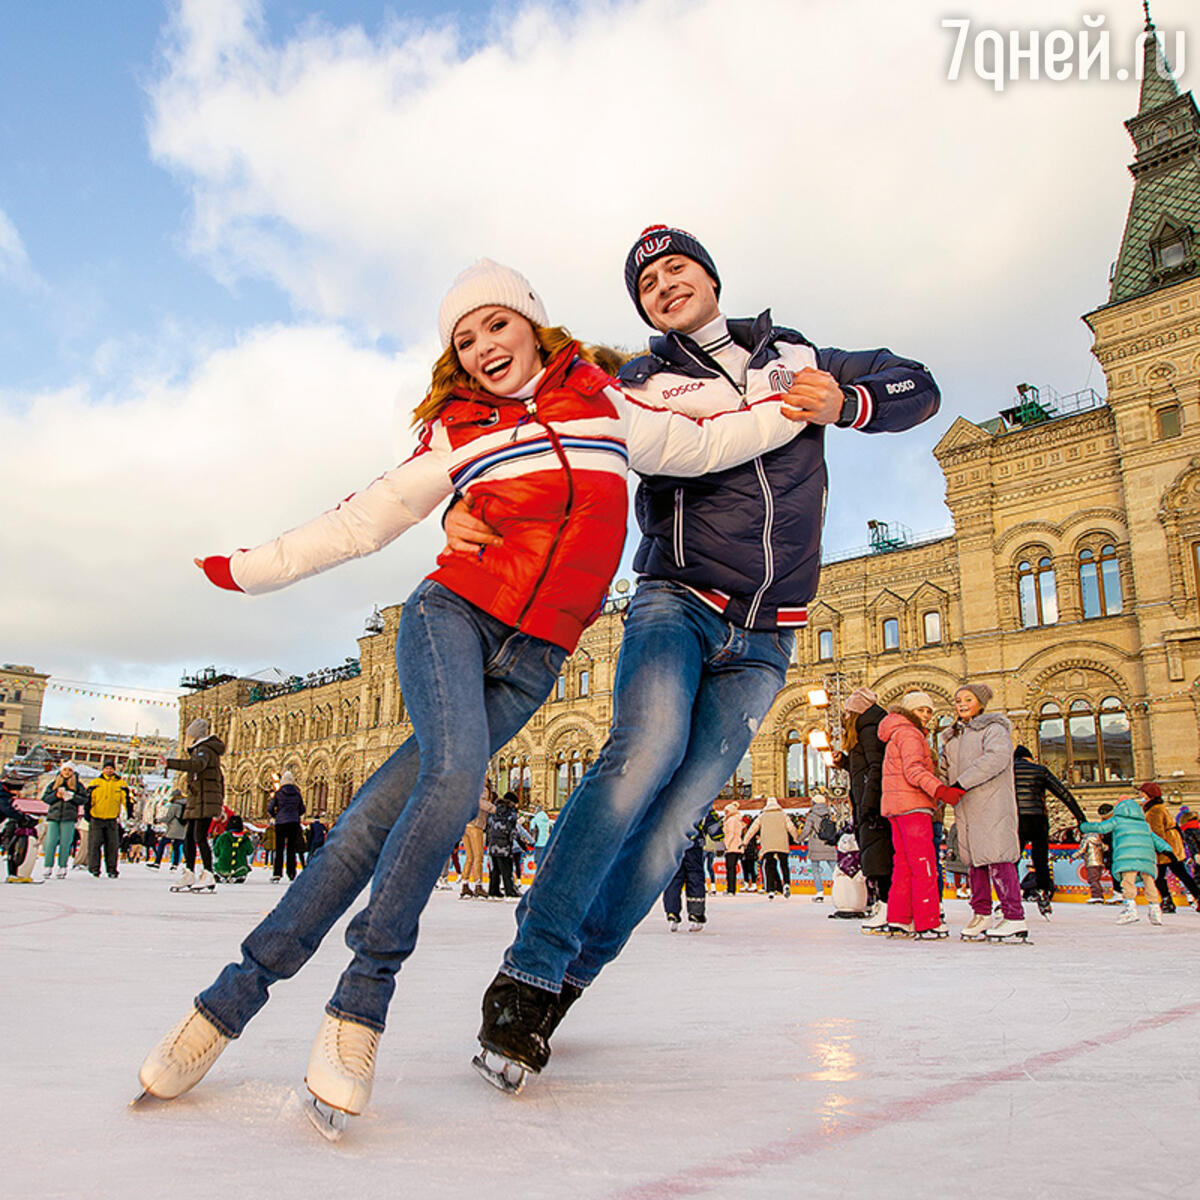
(554, 373)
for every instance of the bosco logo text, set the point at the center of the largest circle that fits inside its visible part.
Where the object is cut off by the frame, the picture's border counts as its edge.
(678, 391)
(906, 385)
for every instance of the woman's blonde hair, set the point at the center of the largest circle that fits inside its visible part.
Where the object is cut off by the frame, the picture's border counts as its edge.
(448, 373)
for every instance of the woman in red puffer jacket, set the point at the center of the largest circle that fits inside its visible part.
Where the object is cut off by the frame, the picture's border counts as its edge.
(911, 794)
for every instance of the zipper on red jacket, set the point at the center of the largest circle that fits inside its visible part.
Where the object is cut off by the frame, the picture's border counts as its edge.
(531, 406)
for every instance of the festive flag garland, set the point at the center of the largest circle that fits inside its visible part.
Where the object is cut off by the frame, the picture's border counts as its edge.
(106, 695)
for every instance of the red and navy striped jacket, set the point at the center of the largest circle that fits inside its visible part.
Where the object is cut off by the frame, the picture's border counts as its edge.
(547, 473)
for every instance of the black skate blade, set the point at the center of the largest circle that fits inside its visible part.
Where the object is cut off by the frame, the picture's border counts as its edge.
(508, 1077)
(329, 1122)
(136, 1102)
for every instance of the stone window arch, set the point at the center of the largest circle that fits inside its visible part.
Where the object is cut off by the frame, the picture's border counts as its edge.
(1090, 743)
(1100, 590)
(1037, 591)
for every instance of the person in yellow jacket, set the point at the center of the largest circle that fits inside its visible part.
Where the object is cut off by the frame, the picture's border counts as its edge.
(107, 793)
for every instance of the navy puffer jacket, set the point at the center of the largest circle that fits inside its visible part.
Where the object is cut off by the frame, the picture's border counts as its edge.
(751, 535)
(287, 805)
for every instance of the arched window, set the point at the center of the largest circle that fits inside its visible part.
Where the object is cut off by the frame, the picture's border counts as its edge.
(932, 624)
(793, 762)
(891, 634)
(1037, 593)
(1084, 742)
(1100, 582)
(738, 785)
(319, 794)
(804, 767)
(567, 776)
(1091, 746)
(560, 688)
(376, 710)
(585, 678)
(1116, 741)
(345, 788)
(1052, 739)
(825, 645)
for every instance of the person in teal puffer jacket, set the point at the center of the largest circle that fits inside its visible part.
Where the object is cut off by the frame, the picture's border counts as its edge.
(1135, 852)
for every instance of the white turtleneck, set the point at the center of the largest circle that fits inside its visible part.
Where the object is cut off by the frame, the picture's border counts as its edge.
(527, 388)
(715, 340)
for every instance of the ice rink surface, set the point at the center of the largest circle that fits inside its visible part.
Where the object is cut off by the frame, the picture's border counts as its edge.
(776, 1054)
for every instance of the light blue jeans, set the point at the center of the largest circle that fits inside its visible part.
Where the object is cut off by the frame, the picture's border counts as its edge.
(822, 869)
(470, 684)
(691, 691)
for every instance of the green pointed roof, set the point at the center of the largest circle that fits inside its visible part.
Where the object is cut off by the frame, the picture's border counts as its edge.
(1158, 82)
(1165, 205)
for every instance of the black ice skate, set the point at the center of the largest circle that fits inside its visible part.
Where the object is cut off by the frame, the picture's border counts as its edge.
(673, 922)
(1043, 903)
(515, 1035)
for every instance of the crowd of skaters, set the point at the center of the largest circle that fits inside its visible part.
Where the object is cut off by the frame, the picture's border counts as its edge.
(893, 834)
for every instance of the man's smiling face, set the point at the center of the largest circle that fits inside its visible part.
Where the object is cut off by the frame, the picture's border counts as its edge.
(678, 293)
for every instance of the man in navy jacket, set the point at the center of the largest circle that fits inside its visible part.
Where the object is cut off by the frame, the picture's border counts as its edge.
(727, 566)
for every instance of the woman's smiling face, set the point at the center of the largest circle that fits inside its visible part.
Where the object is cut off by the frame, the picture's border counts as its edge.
(497, 348)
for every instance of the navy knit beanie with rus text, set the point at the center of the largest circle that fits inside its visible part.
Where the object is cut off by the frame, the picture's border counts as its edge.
(655, 242)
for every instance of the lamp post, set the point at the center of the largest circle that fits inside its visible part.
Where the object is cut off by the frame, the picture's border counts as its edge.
(828, 697)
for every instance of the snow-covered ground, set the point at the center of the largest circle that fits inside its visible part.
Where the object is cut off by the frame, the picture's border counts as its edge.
(778, 1053)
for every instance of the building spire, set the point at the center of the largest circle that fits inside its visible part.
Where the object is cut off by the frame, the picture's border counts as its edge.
(1158, 80)
(1161, 244)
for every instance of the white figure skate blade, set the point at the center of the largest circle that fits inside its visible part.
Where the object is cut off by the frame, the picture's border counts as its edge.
(330, 1123)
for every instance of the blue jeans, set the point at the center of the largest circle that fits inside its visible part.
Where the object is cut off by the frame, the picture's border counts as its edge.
(470, 684)
(691, 691)
(822, 869)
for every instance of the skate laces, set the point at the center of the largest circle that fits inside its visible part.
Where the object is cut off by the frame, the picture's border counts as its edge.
(194, 1040)
(351, 1047)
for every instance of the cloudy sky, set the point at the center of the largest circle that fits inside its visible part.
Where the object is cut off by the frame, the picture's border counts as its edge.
(225, 226)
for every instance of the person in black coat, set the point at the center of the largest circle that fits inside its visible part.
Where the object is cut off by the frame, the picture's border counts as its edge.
(1033, 781)
(287, 807)
(863, 758)
(689, 876)
(503, 835)
(317, 832)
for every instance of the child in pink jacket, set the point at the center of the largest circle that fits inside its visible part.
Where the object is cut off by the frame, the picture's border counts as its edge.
(911, 794)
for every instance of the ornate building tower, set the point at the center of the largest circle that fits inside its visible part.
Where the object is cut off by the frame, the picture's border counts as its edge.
(1147, 339)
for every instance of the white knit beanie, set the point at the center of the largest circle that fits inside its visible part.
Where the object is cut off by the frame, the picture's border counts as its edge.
(487, 282)
(197, 730)
(914, 700)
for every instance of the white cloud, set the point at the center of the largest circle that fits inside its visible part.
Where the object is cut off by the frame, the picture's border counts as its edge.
(15, 267)
(818, 148)
(122, 489)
